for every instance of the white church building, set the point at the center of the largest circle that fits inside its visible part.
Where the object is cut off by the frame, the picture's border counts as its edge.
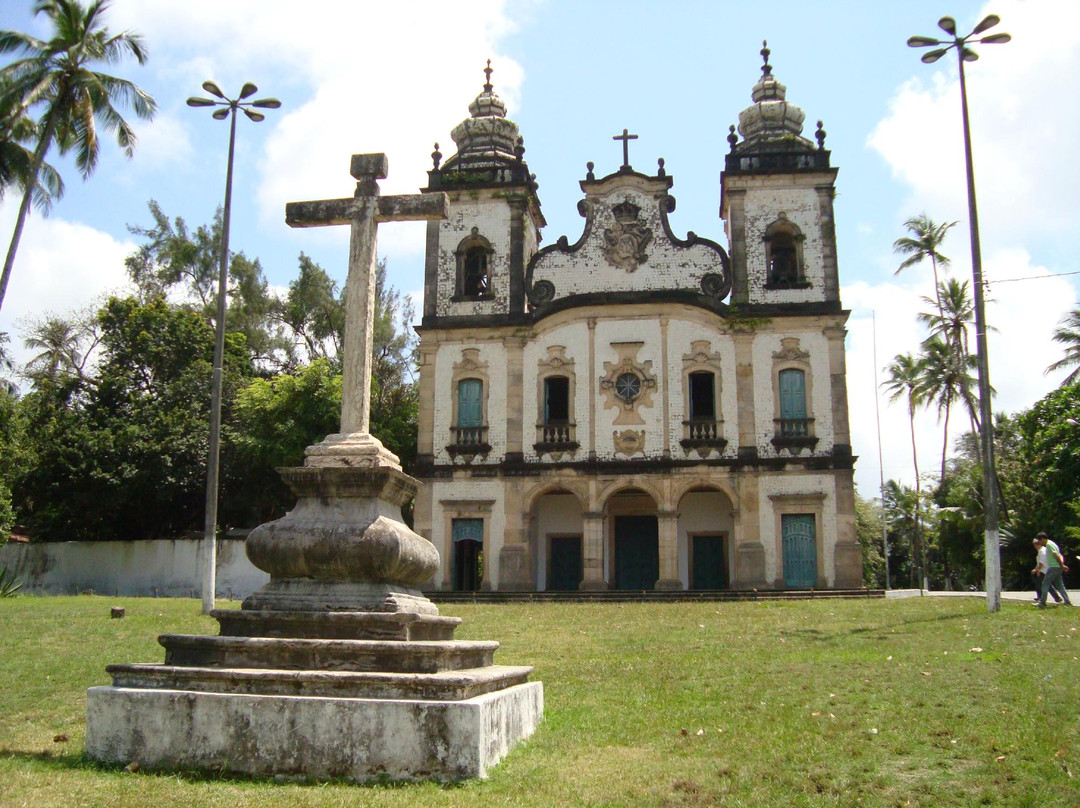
(635, 410)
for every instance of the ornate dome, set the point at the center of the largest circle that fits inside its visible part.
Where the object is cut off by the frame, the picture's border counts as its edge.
(488, 139)
(771, 121)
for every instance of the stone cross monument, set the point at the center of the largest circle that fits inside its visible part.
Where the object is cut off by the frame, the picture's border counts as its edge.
(363, 212)
(339, 666)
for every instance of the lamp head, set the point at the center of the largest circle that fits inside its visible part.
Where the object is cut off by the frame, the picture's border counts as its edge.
(989, 21)
(948, 25)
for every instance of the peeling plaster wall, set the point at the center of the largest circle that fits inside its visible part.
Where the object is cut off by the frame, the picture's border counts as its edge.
(495, 356)
(443, 495)
(588, 270)
(820, 394)
(491, 217)
(777, 485)
(801, 206)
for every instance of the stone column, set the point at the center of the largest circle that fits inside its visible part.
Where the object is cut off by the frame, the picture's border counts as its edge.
(593, 540)
(744, 394)
(749, 552)
(425, 416)
(847, 560)
(668, 523)
(514, 568)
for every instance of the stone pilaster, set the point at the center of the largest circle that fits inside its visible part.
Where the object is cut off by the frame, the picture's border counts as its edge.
(515, 571)
(749, 552)
(744, 393)
(668, 524)
(593, 550)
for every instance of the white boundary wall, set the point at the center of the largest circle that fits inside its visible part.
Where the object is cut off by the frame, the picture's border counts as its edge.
(160, 568)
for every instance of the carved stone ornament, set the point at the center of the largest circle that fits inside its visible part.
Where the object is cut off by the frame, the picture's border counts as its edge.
(625, 241)
(470, 361)
(629, 442)
(790, 351)
(628, 384)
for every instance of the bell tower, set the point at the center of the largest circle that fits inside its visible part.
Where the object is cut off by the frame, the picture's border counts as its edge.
(777, 192)
(476, 259)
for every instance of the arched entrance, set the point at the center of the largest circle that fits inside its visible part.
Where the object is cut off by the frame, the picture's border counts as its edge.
(706, 539)
(635, 540)
(557, 525)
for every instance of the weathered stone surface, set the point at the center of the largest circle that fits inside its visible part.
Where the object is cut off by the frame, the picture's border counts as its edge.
(326, 655)
(335, 625)
(442, 686)
(355, 739)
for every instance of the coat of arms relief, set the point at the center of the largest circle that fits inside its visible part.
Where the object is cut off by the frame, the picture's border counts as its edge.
(625, 241)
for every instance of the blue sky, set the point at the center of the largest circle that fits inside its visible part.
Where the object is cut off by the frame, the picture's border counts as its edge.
(364, 76)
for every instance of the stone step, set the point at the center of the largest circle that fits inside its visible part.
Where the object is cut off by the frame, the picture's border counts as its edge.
(443, 686)
(191, 651)
(336, 625)
(650, 595)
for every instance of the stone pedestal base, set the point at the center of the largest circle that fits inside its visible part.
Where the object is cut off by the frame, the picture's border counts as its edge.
(848, 559)
(669, 585)
(351, 738)
(749, 566)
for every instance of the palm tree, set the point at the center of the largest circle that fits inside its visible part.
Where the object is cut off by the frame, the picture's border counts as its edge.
(1068, 334)
(55, 75)
(59, 343)
(15, 160)
(905, 379)
(925, 239)
(944, 380)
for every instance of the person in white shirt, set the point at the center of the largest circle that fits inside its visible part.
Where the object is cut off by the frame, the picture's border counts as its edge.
(1052, 564)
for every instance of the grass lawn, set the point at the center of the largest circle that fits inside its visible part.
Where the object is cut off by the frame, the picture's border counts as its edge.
(921, 702)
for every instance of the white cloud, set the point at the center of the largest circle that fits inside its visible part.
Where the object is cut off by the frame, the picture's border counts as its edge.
(1023, 126)
(1024, 313)
(60, 267)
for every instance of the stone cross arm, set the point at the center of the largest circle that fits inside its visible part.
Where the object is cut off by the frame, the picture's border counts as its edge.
(405, 208)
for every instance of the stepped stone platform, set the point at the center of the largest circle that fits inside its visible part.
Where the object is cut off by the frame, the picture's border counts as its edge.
(338, 668)
(360, 696)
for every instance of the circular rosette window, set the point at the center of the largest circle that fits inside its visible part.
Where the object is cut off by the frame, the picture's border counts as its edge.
(542, 292)
(627, 386)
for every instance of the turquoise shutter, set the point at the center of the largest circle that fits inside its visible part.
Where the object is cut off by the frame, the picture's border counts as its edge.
(470, 403)
(792, 394)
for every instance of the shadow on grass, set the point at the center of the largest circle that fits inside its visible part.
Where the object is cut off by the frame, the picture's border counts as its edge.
(881, 629)
(73, 762)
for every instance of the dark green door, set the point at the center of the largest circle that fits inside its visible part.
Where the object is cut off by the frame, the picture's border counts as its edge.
(799, 546)
(565, 563)
(709, 565)
(637, 552)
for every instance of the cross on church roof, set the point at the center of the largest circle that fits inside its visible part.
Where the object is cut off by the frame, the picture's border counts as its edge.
(625, 137)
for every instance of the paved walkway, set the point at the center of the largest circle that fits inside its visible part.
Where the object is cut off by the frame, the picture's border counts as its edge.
(1027, 595)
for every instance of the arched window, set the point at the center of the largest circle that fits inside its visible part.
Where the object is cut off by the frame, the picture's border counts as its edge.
(474, 282)
(474, 267)
(783, 255)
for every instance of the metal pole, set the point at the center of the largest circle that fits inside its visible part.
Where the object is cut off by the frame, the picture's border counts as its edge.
(990, 505)
(209, 543)
(880, 459)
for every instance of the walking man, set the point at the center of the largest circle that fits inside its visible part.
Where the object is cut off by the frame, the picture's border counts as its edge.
(1051, 563)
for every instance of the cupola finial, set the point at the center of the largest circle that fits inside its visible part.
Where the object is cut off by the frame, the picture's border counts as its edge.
(487, 72)
(766, 68)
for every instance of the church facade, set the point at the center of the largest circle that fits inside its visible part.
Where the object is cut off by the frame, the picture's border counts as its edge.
(636, 410)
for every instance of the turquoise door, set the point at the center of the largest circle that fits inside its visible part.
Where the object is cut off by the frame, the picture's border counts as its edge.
(799, 546)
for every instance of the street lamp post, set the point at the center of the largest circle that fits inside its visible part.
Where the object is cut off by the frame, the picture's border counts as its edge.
(990, 503)
(227, 109)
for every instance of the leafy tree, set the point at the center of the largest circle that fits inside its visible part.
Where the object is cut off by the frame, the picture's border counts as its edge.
(7, 367)
(315, 312)
(1068, 335)
(868, 529)
(276, 419)
(924, 242)
(174, 262)
(125, 457)
(902, 516)
(57, 76)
